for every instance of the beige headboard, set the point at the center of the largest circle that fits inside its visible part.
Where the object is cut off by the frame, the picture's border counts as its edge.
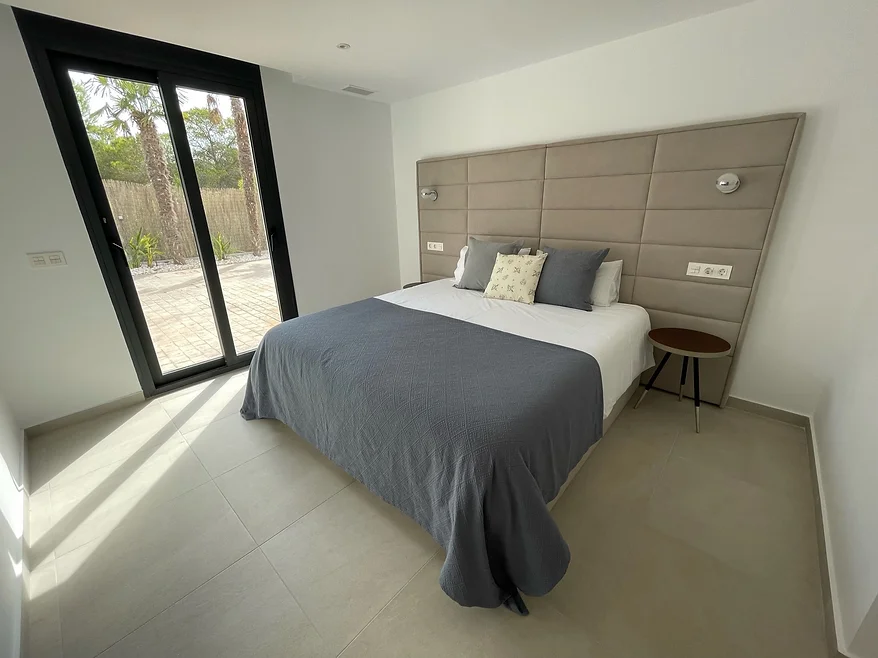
(650, 197)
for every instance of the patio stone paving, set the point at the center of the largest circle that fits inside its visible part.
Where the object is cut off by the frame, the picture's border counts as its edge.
(181, 321)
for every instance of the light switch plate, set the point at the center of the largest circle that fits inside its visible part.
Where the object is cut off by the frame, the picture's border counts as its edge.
(435, 246)
(709, 271)
(47, 259)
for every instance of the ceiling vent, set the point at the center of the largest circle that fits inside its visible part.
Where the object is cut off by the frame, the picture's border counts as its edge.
(360, 91)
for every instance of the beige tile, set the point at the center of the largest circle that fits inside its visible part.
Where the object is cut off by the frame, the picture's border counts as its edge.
(90, 507)
(245, 611)
(231, 441)
(274, 489)
(44, 617)
(623, 468)
(196, 406)
(346, 559)
(758, 450)
(110, 587)
(641, 593)
(423, 621)
(71, 452)
(746, 526)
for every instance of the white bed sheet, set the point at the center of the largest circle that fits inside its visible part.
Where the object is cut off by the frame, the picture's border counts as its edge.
(615, 336)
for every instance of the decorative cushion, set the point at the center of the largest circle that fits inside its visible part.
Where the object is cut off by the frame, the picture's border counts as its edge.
(568, 277)
(461, 262)
(480, 257)
(515, 278)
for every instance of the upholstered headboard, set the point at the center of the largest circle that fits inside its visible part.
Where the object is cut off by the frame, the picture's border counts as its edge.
(650, 197)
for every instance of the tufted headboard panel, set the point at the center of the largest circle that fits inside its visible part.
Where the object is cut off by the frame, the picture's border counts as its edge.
(649, 197)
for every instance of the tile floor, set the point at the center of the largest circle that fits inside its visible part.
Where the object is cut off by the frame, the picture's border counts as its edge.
(177, 529)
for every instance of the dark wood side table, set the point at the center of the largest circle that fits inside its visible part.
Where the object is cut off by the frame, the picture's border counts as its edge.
(413, 284)
(687, 343)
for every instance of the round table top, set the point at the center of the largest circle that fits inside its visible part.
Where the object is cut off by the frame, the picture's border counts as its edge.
(688, 342)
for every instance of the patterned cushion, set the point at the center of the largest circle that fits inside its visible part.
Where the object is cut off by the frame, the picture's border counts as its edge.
(515, 278)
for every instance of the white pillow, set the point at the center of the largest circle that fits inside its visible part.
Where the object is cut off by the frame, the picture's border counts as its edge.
(607, 283)
(461, 262)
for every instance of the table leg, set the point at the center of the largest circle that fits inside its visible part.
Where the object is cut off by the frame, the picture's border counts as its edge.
(653, 378)
(683, 376)
(697, 395)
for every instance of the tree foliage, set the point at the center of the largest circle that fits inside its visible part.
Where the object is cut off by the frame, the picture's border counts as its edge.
(119, 153)
(212, 141)
(128, 105)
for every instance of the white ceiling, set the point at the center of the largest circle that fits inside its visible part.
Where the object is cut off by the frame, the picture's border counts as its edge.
(400, 48)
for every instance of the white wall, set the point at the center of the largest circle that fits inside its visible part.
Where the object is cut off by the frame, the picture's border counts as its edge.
(846, 429)
(335, 169)
(11, 532)
(768, 56)
(61, 348)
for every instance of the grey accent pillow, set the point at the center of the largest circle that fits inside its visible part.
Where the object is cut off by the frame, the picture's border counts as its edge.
(568, 277)
(480, 258)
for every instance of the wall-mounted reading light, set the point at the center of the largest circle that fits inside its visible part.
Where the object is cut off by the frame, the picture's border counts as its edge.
(728, 183)
(429, 194)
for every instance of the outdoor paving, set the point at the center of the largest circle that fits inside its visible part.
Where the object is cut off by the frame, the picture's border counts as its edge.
(181, 321)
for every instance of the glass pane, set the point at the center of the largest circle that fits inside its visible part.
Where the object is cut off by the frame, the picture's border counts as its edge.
(128, 132)
(216, 125)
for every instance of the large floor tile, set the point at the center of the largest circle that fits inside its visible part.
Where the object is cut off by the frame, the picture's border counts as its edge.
(196, 406)
(641, 593)
(622, 469)
(90, 507)
(109, 587)
(71, 452)
(44, 617)
(245, 611)
(759, 450)
(278, 487)
(346, 559)
(749, 527)
(423, 621)
(231, 441)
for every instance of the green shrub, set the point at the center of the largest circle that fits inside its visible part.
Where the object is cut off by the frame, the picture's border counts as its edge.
(143, 247)
(222, 247)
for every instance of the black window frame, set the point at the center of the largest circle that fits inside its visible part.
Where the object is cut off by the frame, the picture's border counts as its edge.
(54, 46)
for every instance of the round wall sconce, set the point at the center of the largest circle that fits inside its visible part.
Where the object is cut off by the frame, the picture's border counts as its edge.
(728, 183)
(429, 195)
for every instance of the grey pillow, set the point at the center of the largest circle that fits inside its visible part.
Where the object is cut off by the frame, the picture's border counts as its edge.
(568, 277)
(479, 263)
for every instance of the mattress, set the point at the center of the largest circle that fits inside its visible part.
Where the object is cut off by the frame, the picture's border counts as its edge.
(615, 336)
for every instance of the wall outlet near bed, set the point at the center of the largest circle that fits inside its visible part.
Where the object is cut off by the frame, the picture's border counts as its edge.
(435, 246)
(709, 270)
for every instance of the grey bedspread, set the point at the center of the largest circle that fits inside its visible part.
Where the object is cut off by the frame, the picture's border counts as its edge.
(468, 430)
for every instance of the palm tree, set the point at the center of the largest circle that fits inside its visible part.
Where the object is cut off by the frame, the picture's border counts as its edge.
(139, 103)
(248, 173)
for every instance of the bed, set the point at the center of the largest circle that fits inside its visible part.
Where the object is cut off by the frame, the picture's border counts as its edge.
(468, 414)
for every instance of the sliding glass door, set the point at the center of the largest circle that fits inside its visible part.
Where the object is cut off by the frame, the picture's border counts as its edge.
(174, 173)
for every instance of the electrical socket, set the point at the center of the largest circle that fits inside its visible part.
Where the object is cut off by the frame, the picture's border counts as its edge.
(47, 259)
(435, 246)
(709, 271)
